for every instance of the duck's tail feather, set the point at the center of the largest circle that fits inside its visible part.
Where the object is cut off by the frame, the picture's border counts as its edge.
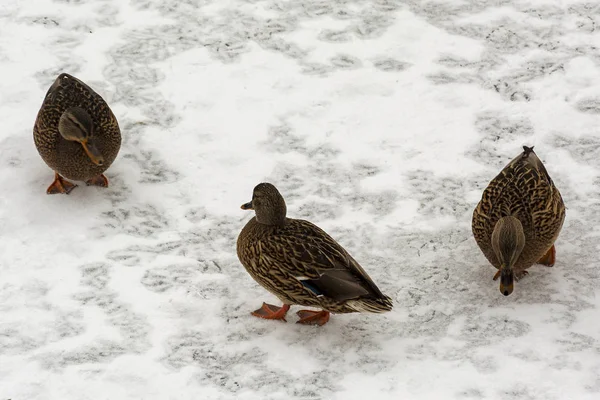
(371, 305)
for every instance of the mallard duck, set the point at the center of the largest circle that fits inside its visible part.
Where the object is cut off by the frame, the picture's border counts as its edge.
(518, 219)
(76, 134)
(301, 264)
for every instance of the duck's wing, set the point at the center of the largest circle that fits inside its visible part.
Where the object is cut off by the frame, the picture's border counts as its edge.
(545, 202)
(306, 253)
(523, 189)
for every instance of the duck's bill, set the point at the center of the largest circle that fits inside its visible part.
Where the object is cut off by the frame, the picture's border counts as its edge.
(93, 153)
(247, 206)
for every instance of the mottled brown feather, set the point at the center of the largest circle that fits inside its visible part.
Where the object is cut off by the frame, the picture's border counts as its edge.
(524, 190)
(277, 255)
(68, 158)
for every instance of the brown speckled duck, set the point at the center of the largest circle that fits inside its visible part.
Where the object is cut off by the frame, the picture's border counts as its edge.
(301, 264)
(518, 219)
(76, 134)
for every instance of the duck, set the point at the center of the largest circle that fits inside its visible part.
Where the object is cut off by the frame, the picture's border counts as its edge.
(76, 134)
(302, 265)
(518, 219)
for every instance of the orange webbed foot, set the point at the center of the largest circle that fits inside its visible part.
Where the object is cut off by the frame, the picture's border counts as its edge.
(60, 185)
(269, 311)
(309, 317)
(99, 180)
(549, 258)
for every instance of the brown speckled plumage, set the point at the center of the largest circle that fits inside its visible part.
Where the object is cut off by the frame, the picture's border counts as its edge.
(524, 190)
(301, 264)
(68, 158)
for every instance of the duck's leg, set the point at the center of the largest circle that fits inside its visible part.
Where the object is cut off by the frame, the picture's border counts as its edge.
(269, 311)
(99, 180)
(497, 275)
(549, 258)
(60, 185)
(309, 317)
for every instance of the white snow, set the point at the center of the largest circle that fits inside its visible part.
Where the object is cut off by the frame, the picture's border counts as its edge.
(380, 121)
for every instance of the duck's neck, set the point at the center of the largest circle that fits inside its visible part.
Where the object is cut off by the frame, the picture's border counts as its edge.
(271, 220)
(508, 240)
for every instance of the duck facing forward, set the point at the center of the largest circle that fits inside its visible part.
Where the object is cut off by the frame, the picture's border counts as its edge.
(301, 264)
(76, 134)
(518, 219)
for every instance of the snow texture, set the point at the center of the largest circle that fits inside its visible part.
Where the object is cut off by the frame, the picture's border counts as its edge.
(380, 121)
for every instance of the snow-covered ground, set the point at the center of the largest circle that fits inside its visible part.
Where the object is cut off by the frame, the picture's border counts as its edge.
(380, 121)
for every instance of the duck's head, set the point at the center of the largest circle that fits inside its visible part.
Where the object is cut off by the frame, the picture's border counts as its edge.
(268, 204)
(508, 240)
(76, 125)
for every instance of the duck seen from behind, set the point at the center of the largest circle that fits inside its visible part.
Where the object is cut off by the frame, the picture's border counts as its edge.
(301, 264)
(76, 134)
(518, 219)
